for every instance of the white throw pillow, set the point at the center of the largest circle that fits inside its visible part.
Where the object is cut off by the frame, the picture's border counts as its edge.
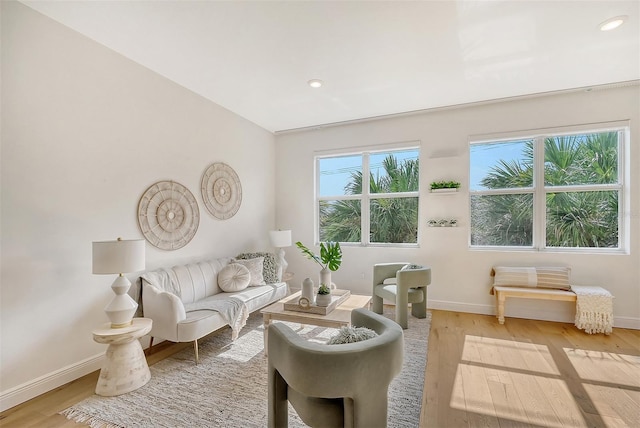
(234, 277)
(255, 267)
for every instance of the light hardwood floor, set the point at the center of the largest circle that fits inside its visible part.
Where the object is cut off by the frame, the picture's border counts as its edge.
(479, 374)
(529, 374)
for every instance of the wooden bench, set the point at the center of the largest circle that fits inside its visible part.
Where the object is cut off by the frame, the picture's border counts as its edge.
(502, 293)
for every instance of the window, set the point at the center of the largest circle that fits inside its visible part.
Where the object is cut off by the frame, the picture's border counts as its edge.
(552, 191)
(384, 212)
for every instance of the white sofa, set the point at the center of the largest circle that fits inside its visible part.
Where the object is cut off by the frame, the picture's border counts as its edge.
(173, 297)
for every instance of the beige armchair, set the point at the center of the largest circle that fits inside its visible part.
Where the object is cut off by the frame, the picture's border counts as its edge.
(334, 385)
(401, 287)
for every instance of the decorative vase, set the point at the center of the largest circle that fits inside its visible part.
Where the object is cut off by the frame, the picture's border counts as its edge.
(323, 299)
(307, 290)
(325, 277)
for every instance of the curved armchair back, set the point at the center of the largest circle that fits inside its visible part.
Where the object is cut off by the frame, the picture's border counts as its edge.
(329, 383)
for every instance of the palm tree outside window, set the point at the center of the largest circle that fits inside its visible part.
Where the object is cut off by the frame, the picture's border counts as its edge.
(384, 212)
(553, 191)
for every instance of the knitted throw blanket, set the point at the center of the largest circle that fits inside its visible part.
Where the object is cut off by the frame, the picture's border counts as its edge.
(233, 311)
(594, 309)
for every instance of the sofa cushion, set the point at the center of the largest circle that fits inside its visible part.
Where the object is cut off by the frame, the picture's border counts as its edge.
(234, 277)
(542, 277)
(351, 335)
(269, 265)
(255, 267)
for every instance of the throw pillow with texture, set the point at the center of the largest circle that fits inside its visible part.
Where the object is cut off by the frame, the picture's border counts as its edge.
(234, 277)
(542, 277)
(351, 335)
(507, 276)
(270, 265)
(411, 266)
(255, 267)
(553, 277)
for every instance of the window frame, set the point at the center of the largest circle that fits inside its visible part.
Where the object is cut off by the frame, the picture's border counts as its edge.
(366, 196)
(539, 190)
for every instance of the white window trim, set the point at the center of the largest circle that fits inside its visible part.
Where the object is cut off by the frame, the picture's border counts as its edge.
(539, 218)
(366, 196)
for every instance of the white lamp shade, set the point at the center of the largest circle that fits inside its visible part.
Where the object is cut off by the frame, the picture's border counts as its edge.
(280, 238)
(121, 256)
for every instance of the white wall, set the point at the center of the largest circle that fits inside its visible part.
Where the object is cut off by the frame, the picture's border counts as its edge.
(460, 276)
(84, 133)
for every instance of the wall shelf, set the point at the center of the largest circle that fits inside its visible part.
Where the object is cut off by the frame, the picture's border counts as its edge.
(444, 191)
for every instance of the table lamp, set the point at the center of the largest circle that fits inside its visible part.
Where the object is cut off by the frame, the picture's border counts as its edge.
(119, 257)
(281, 239)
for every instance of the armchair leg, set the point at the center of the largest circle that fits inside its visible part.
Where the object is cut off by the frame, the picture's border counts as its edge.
(376, 304)
(419, 310)
(195, 349)
(402, 308)
(278, 413)
(374, 414)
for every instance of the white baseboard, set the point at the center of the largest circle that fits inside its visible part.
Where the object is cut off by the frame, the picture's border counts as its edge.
(626, 322)
(620, 322)
(46, 383)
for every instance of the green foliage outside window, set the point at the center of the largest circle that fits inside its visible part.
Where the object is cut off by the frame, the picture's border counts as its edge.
(392, 219)
(585, 216)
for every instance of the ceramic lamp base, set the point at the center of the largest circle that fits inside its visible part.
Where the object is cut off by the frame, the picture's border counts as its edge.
(122, 307)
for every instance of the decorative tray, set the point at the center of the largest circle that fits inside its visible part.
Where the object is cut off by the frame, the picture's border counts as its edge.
(337, 297)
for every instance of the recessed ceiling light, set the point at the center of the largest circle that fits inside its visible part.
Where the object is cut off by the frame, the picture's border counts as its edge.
(613, 23)
(315, 83)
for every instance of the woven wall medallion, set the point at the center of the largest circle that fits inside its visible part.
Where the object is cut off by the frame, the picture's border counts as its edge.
(221, 191)
(168, 215)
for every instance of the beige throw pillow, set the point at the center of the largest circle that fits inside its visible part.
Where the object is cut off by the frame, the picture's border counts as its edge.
(255, 267)
(542, 277)
(234, 277)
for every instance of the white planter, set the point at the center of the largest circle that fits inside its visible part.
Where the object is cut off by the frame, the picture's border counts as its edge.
(323, 299)
(325, 277)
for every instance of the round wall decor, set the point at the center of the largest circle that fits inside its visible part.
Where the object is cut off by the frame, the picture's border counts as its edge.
(221, 190)
(168, 215)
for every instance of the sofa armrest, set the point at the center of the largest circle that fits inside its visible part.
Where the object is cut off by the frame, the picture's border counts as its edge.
(165, 309)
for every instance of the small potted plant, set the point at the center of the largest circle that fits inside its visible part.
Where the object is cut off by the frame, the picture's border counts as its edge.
(445, 186)
(324, 295)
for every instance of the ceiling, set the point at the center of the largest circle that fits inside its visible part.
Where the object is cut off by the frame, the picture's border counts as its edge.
(375, 58)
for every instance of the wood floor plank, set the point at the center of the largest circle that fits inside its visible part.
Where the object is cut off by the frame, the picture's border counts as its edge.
(451, 407)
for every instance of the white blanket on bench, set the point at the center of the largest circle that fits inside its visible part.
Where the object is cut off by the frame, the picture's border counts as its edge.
(594, 309)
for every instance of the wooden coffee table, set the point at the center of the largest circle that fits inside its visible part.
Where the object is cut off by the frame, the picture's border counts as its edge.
(339, 317)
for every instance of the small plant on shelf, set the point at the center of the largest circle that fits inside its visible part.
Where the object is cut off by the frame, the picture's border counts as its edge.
(445, 185)
(323, 289)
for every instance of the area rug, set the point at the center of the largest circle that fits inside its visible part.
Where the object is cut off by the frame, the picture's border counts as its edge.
(228, 388)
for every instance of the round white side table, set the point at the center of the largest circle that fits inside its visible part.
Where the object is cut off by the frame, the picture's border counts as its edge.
(125, 368)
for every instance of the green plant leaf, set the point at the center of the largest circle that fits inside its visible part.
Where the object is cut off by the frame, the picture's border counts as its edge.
(445, 185)
(308, 253)
(331, 255)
